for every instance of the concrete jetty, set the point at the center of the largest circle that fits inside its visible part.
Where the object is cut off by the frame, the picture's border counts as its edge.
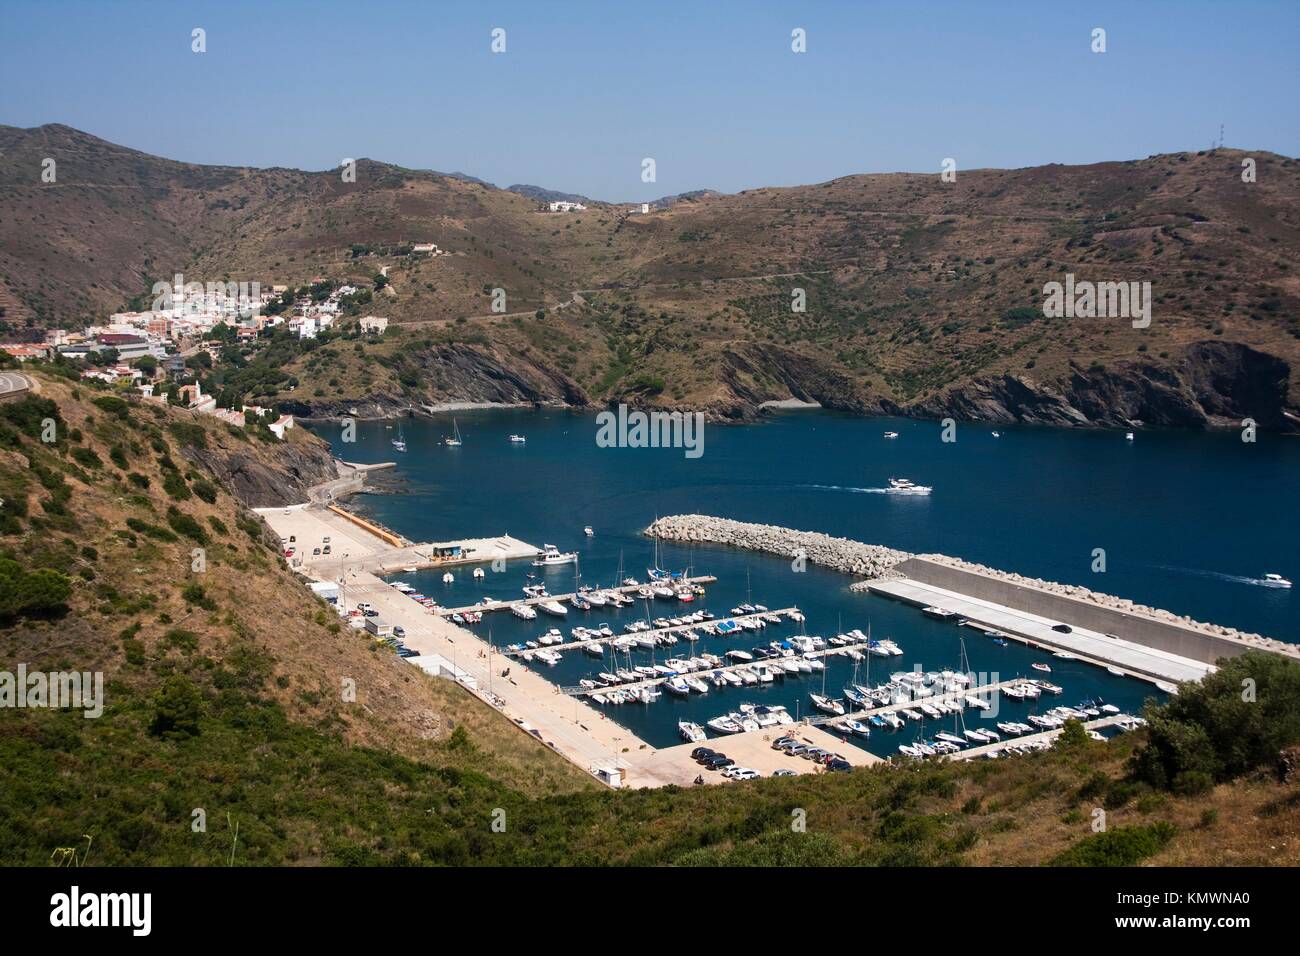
(492, 605)
(1154, 644)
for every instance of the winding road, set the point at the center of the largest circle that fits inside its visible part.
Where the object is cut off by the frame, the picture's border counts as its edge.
(13, 384)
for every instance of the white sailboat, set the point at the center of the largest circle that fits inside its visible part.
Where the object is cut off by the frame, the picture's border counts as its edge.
(453, 442)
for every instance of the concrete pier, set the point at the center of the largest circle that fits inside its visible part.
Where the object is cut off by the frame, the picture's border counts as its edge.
(1129, 656)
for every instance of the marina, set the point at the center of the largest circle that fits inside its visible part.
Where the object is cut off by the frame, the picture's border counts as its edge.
(546, 670)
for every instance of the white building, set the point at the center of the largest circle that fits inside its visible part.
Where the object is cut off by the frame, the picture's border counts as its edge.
(374, 323)
(563, 205)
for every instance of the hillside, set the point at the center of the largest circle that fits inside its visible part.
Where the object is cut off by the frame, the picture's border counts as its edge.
(223, 693)
(922, 297)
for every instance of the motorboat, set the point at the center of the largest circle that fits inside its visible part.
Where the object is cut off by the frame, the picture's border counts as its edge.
(1041, 667)
(551, 556)
(594, 648)
(523, 612)
(891, 434)
(938, 613)
(588, 531)
(726, 724)
(517, 439)
(1271, 580)
(858, 727)
(677, 687)
(904, 486)
(692, 733)
(1128, 436)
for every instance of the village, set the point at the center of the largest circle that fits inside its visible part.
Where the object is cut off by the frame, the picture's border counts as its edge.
(159, 352)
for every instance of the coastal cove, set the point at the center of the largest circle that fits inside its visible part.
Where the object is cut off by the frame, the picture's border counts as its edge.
(1034, 501)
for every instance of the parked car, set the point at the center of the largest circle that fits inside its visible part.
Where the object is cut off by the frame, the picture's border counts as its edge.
(741, 773)
(798, 750)
(784, 772)
(718, 762)
(399, 631)
(327, 549)
(783, 742)
(1063, 628)
(699, 752)
(839, 765)
(315, 550)
(814, 753)
(363, 606)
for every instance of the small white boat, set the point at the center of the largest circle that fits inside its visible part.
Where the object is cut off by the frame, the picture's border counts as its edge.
(551, 556)
(1128, 436)
(479, 574)
(904, 486)
(891, 434)
(677, 686)
(524, 612)
(448, 578)
(587, 531)
(517, 439)
(827, 705)
(453, 442)
(1271, 580)
(997, 434)
(692, 733)
(1041, 667)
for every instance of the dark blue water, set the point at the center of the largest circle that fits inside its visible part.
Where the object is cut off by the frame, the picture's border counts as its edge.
(1188, 522)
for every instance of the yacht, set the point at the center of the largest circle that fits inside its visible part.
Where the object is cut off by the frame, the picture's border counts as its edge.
(938, 613)
(997, 434)
(594, 648)
(1041, 667)
(587, 531)
(726, 724)
(517, 439)
(891, 434)
(904, 486)
(455, 441)
(692, 733)
(551, 556)
(524, 612)
(399, 444)
(1275, 581)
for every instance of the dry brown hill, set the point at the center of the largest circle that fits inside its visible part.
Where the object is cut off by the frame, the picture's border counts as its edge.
(923, 297)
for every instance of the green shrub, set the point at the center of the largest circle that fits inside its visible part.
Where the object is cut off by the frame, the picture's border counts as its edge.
(176, 709)
(1123, 846)
(184, 524)
(188, 433)
(41, 591)
(117, 407)
(175, 486)
(205, 490)
(1233, 721)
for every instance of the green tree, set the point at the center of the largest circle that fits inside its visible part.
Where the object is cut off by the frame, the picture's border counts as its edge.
(176, 709)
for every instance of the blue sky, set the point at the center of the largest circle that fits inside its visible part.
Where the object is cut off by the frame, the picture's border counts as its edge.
(710, 90)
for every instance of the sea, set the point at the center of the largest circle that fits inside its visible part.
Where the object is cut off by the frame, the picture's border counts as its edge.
(1182, 520)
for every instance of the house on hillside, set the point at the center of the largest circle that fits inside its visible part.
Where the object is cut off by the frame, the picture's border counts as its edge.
(281, 425)
(374, 323)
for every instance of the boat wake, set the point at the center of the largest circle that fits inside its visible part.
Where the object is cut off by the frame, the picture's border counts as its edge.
(1215, 575)
(865, 491)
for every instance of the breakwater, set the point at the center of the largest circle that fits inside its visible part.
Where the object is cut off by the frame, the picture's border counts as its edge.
(823, 550)
(874, 562)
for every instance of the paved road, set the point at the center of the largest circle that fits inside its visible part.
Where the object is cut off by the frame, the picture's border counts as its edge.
(13, 383)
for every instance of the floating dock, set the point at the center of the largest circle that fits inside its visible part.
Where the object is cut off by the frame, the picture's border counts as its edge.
(702, 672)
(517, 602)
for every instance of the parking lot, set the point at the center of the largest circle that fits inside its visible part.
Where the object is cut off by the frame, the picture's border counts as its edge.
(753, 750)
